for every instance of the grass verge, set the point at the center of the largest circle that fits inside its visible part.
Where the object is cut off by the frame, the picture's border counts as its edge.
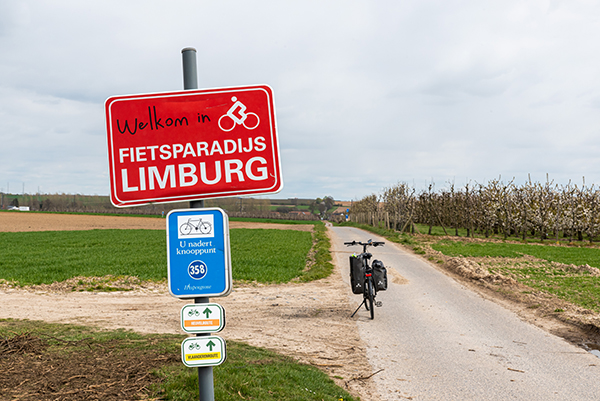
(570, 273)
(551, 253)
(568, 283)
(319, 265)
(44, 361)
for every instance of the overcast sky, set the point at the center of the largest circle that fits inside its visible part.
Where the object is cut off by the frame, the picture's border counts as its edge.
(367, 93)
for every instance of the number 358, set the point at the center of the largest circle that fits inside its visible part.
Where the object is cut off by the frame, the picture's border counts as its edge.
(197, 269)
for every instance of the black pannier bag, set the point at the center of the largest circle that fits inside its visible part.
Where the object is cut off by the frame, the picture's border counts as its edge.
(357, 274)
(380, 275)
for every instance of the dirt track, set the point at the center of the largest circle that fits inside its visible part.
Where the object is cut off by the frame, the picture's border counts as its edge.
(23, 221)
(307, 321)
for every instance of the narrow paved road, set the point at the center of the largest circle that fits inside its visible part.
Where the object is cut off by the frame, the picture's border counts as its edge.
(437, 340)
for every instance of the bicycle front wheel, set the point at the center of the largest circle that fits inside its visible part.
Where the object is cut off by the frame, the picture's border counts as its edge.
(205, 228)
(371, 296)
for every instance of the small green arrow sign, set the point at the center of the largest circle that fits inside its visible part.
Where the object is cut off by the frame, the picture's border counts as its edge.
(195, 351)
(202, 318)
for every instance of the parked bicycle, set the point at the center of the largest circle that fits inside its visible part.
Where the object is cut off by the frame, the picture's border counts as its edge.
(365, 279)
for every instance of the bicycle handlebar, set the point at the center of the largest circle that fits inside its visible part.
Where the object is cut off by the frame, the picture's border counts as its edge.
(365, 244)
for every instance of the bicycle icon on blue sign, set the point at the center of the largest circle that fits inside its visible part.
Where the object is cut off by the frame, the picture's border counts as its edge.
(195, 226)
(197, 269)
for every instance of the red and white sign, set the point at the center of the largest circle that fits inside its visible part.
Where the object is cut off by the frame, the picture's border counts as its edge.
(194, 144)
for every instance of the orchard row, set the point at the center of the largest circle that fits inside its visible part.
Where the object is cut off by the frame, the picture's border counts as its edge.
(542, 210)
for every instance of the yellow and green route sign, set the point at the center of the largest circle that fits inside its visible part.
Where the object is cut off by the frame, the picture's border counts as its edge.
(203, 351)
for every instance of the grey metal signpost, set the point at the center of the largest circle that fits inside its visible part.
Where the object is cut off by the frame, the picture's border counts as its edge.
(211, 238)
(190, 81)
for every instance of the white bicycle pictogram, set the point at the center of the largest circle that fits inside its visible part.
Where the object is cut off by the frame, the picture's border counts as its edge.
(240, 119)
(193, 226)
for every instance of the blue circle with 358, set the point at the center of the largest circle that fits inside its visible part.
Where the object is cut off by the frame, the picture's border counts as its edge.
(197, 269)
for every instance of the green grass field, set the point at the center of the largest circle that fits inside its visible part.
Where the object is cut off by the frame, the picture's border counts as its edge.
(267, 256)
(82, 358)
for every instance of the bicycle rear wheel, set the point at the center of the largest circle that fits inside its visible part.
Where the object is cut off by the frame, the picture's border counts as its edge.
(371, 296)
(186, 229)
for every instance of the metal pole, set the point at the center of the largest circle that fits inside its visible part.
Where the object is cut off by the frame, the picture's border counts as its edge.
(190, 81)
(206, 382)
(190, 71)
(206, 386)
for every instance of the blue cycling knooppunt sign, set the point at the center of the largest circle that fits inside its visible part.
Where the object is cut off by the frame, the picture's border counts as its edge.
(198, 255)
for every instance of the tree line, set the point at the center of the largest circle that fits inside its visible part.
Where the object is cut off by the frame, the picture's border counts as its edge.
(541, 210)
(77, 203)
